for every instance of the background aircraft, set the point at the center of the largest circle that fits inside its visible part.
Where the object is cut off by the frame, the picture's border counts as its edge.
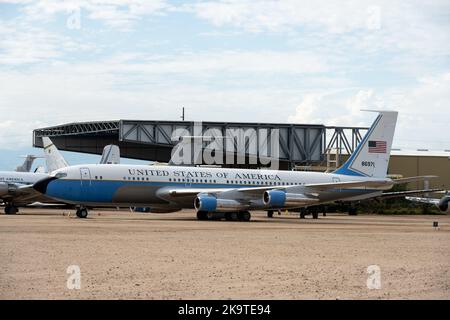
(15, 187)
(27, 164)
(442, 203)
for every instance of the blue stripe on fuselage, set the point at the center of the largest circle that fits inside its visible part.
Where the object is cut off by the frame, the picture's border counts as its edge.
(103, 191)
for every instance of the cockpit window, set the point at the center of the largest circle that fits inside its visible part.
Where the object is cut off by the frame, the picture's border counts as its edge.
(60, 175)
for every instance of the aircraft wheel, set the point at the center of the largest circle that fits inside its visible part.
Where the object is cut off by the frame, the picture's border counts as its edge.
(244, 216)
(302, 213)
(82, 213)
(11, 210)
(202, 215)
(315, 215)
(213, 216)
(270, 214)
(353, 211)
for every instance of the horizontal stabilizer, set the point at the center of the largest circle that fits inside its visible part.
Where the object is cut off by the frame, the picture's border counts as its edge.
(413, 179)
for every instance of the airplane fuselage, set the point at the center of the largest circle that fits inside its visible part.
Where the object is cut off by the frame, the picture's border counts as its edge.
(134, 185)
(21, 178)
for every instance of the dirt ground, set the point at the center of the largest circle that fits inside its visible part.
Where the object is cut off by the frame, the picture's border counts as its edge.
(123, 255)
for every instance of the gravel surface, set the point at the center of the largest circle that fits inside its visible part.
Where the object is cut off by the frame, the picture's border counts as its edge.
(125, 255)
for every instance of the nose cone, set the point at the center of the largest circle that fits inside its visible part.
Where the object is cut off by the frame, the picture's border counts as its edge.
(41, 185)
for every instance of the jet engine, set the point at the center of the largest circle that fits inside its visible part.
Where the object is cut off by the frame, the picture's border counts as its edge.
(4, 189)
(443, 203)
(207, 203)
(281, 199)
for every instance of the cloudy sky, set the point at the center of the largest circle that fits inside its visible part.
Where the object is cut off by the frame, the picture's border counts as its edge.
(266, 61)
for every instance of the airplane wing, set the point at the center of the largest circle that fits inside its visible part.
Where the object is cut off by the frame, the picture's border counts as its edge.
(413, 179)
(184, 192)
(391, 195)
(258, 191)
(350, 184)
(424, 200)
(23, 195)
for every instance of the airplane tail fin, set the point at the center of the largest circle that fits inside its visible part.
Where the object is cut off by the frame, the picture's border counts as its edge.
(110, 155)
(28, 162)
(371, 157)
(53, 158)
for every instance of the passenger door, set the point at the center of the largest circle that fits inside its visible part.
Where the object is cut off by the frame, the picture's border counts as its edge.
(85, 175)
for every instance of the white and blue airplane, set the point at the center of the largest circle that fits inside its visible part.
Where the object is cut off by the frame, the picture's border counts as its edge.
(229, 193)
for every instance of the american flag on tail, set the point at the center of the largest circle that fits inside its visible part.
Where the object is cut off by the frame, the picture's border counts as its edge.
(377, 147)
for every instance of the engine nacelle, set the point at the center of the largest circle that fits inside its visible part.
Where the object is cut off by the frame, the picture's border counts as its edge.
(208, 203)
(275, 198)
(443, 204)
(281, 199)
(4, 189)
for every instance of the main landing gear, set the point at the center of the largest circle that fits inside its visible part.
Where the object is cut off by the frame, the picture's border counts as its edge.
(312, 211)
(228, 216)
(82, 213)
(353, 210)
(11, 209)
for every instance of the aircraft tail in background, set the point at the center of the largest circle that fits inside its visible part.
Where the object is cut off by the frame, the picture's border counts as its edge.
(27, 164)
(53, 157)
(110, 155)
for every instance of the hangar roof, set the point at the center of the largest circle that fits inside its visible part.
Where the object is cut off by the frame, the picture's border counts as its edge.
(152, 139)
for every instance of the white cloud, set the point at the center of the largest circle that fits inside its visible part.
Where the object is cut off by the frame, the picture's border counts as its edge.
(421, 110)
(12, 133)
(258, 16)
(119, 14)
(369, 25)
(154, 88)
(228, 62)
(317, 62)
(22, 43)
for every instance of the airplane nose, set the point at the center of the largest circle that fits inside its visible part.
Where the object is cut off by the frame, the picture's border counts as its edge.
(41, 185)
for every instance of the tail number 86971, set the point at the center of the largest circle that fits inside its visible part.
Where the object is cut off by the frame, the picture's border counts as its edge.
(368, 164)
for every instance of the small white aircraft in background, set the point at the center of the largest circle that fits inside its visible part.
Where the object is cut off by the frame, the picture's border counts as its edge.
(441, 203)
(15, 187)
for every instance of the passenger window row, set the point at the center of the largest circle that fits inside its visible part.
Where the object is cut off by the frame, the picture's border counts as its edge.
(261, 183)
